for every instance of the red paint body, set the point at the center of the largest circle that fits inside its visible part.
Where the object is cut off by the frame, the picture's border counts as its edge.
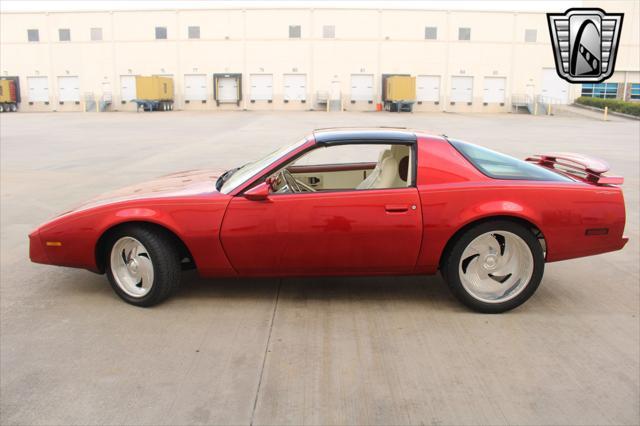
(371, 232)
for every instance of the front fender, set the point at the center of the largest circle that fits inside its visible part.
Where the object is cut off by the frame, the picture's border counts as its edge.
(195, 222)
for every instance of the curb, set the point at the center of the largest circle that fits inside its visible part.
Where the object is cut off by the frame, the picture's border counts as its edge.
(595, 109)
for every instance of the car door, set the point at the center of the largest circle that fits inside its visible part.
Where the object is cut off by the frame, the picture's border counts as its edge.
(315, 233)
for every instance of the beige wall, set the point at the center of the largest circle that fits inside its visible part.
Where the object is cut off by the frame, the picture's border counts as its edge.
(255, 41)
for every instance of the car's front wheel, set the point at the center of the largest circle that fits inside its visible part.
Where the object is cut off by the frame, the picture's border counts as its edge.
(494, 266)
(143, 265)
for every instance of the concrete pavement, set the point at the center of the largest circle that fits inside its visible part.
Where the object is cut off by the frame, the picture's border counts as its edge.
(396, 350)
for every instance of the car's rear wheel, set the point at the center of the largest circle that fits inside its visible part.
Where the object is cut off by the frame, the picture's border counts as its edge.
(143, 266)
(494, 266)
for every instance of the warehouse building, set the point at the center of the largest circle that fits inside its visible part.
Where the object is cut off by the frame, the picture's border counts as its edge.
(298, 58)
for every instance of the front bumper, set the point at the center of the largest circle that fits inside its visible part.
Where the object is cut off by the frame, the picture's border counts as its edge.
(37, 252)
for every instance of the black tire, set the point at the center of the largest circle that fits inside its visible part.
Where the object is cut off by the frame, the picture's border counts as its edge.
(451, 262)
(164, 257)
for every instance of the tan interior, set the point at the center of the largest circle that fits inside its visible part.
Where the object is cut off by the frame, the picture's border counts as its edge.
(334, 179)
(392, 170)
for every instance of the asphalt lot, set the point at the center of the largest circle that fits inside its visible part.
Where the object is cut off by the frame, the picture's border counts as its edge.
(300, 351)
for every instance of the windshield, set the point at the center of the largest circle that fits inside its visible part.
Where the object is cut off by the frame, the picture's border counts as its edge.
(236, 177)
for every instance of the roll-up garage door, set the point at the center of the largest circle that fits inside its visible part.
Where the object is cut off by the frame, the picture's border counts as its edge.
(38, 89)
(554, 87)
(127, 87)
(428, 88)
(227, 89)
(195, 87)
(295, 87)
(494, 90)
(69, 89)
(261, 87)
(362, 87)
(461, 89)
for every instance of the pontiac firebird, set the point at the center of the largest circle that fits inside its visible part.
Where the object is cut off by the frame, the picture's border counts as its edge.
(406, 203)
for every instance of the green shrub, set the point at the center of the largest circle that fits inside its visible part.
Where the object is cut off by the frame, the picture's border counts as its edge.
(631, 108)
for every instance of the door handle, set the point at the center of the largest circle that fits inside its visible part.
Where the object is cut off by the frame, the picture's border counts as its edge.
(396, 208)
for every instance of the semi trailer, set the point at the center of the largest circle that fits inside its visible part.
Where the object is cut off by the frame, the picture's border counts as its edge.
(399, 92)
(154, 93)
(8, 96)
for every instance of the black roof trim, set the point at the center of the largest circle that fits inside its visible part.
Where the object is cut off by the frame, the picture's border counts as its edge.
(375, 135)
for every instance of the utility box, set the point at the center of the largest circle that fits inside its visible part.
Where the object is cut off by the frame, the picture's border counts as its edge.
(154, 88)
(400, 88)
(8, 96)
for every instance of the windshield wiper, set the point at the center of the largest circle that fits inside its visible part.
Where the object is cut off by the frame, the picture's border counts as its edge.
(226, 175)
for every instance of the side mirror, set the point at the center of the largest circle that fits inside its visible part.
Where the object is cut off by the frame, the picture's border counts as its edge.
(259, 192)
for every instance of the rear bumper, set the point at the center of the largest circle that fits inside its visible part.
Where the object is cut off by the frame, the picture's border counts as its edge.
(623, 242)
(37, 253)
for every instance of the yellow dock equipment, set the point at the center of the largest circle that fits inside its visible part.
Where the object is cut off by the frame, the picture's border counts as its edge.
(154, 88)
(8, 96)
(7, 91)
(401, 88)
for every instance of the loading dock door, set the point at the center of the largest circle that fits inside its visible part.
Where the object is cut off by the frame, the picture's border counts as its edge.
(38, 89)
(428, 88)
(295, 87)
(494, 90)
(227, 89)
(554, 87)
(261, 87)
(362, 87)
(195, 87)
(461, 89)
(127, 87)
(69, 89)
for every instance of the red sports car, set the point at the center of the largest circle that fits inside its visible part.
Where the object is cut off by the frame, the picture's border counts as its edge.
(350, 202)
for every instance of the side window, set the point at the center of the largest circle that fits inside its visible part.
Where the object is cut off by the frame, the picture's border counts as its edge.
(347, 167)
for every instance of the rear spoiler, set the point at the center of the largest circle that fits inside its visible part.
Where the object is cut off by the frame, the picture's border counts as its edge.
(581, 166)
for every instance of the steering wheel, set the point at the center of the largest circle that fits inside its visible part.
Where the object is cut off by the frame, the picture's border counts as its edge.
(294, 184)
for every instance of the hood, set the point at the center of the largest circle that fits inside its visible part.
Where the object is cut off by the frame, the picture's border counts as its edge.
(181, 184)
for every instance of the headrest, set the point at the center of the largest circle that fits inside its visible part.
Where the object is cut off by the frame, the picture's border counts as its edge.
(384, 154)
(399, 151)
(403, 168)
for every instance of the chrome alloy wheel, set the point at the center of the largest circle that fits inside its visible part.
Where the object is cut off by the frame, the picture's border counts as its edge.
(132, 267)
(496, 266)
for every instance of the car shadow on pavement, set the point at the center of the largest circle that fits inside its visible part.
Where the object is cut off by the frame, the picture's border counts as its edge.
(424, 290)
(428, 291)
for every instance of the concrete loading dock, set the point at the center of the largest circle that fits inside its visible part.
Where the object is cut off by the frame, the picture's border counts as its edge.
(307, 52)
(390, 350)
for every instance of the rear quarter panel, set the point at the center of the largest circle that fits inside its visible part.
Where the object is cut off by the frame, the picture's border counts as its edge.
(454, 194)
